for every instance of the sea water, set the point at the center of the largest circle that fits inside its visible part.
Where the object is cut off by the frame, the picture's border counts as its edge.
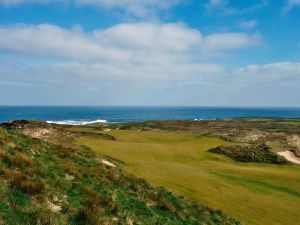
(88, 114)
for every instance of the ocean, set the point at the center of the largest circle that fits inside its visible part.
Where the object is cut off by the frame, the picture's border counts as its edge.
(77, 115)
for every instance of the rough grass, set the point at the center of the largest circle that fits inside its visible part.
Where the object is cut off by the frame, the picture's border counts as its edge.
(218, 126)
(256, 194)
(45, 184)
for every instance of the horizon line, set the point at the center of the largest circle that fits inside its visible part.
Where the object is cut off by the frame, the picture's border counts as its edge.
(158, 106)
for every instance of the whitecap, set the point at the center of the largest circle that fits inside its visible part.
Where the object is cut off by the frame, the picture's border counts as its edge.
(76, 122)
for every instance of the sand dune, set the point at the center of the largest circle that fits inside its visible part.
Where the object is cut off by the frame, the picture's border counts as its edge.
(289, 155)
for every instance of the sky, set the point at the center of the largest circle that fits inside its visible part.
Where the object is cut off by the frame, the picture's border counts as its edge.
(150, 52)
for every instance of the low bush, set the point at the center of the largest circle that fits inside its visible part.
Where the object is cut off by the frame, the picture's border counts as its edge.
(260, 153)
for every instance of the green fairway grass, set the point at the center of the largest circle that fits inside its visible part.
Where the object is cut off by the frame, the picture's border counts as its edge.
(256, 194)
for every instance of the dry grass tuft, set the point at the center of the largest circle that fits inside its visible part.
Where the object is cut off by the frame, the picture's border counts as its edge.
(20, 160)
(43, 216)
(4, 156)
(69, 168)
(165, 205)
(23, 183)
(88, 214)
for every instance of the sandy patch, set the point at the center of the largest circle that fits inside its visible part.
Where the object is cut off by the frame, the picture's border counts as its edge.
(69, 177)
(105, 162)
(37, 133)
(107, 129)
(53, 207)
(12, 144)
(290, 156)
(294, 140)
(129, 221)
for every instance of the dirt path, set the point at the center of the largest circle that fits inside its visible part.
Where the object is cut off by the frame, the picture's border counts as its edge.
(289, 155)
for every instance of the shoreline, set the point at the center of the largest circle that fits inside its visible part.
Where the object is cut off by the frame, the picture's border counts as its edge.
(83, 122)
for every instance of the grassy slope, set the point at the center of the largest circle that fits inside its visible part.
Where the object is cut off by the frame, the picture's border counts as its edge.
(257, 194)
(43, 184)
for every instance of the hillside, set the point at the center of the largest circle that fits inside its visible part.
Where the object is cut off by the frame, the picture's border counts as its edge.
(46, 180)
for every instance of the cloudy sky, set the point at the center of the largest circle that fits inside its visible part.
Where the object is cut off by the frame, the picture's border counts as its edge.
(150, 52)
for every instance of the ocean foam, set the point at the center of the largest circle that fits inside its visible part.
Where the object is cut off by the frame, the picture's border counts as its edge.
(76, 122)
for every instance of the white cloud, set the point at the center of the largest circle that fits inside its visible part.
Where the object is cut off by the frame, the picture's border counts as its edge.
(269, 73)
(248, 25)
(151, 36)
(137, 52)
(274, 84)
(105, 74)
(278, 74)
(223, 42)
(51, 41)
(290, 4)
(135, 56)
(284, 74)
(123, 43)
(224, 8)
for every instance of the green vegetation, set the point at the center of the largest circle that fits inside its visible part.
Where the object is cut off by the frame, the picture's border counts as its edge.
(250, 153)
(218, 126)
(47, 184)
(255, 193)
(171, 154)
(284, 121)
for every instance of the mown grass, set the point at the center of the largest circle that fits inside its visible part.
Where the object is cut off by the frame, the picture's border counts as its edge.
(46, 184)
(256, 194)
(259, 184)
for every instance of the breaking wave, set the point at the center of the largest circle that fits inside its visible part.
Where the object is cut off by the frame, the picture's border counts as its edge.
(76, 122)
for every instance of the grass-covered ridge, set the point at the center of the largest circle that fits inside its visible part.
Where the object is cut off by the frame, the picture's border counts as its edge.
(46, 184)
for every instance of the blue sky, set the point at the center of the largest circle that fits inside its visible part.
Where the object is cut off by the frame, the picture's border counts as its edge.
(150, 52)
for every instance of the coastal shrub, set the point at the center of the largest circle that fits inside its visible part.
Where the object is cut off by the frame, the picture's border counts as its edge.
(98, 135)
(260, 153)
